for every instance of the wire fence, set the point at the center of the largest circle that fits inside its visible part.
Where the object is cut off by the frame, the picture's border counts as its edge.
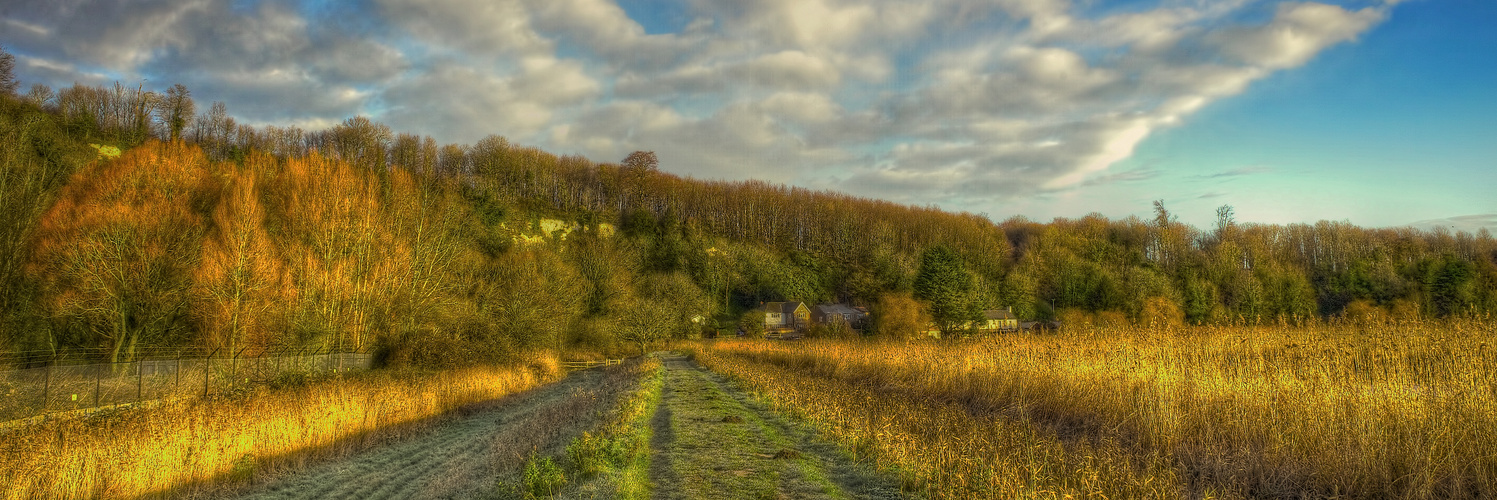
(62, 387)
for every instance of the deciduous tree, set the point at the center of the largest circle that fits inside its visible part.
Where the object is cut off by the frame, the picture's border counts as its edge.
(898, 316)
(241, 284)
(115, 254)
(177, 110)
(8, 82)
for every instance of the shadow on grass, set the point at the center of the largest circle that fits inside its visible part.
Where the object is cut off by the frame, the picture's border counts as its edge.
(252, 471)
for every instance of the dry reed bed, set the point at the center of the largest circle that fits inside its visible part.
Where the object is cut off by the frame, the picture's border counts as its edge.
(162, 450)
(1406, 411)
(942, 451)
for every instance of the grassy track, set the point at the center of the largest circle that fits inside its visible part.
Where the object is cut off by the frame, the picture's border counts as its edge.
(712, 440)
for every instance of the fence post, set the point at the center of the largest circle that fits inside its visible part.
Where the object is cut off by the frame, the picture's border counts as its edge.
(98, 380)
(207, 362)
(140, 380)
(236, 358)
(46, 385)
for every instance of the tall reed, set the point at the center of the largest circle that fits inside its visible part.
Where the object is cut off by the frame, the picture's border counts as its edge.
(1406, 411)
(174, 449)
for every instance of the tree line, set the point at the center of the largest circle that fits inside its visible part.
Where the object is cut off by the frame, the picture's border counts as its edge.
(212, 232)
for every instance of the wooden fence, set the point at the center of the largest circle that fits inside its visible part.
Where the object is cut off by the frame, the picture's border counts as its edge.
(583, 365)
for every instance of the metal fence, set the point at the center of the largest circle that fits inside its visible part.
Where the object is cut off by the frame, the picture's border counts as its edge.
(68, 387)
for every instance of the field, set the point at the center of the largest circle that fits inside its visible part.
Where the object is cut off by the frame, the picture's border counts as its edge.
(1326, 411)
(1352, 411)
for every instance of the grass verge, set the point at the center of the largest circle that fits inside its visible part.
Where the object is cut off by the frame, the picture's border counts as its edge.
(616, 456)
(608, 460)
(178, 449)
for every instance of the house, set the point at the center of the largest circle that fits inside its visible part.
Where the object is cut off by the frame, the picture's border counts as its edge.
(994, 320)
(1039, 326)
(999, 320)
(837, 313)
(784, 317)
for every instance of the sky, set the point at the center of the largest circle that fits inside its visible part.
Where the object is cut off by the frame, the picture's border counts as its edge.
(1378, 112)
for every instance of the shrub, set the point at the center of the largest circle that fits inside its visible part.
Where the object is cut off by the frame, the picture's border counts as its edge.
(588, 454)
(542, 477)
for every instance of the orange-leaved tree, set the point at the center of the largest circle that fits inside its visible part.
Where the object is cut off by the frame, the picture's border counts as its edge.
(114, 255)
(242, 284)
(330, 213)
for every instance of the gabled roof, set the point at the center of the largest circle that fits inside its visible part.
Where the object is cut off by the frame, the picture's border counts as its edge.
(840, 309)
(1004, 313)
(781, 307)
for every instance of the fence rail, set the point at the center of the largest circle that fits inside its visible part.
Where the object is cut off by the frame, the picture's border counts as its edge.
(58, 387)
(583, 365)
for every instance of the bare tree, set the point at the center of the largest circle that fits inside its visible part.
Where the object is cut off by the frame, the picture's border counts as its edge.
(8, 82)
(213, 129)
(40, 95)
(361, 142)
(177, 110)
(116, 251)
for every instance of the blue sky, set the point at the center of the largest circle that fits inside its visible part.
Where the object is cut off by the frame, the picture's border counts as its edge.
(1378, 112)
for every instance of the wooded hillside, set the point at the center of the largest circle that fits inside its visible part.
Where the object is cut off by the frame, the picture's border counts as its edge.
(235, 237)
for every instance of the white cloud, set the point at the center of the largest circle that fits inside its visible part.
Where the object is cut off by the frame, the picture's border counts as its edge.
(802, 107)
(477, 28)
(460, 102)
(1468, 223)
(1297, 32)
(911, 99)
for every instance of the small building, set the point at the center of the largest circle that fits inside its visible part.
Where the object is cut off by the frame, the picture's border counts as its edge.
(824, 314)
(999, 320)
(1039, 326)
(785, 317)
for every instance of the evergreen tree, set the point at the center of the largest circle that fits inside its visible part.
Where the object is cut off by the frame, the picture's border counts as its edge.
(943, 281)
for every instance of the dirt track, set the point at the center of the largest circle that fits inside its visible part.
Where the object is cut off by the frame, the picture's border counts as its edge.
(710, 440)
(458, 459)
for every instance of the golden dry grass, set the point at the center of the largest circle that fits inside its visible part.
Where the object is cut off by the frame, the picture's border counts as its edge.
(168, 450)
(1404, 411)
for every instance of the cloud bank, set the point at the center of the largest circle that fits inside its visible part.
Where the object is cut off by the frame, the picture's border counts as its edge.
(957, 102)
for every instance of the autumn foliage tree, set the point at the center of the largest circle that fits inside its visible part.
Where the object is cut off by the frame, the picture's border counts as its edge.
(242, 281)
(899, 316)
(115, 254)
